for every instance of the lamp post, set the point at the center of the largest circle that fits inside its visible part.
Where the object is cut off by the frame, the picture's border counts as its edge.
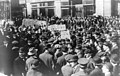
(26, 7)
(71, 7)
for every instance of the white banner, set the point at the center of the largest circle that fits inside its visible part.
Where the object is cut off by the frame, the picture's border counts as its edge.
(65, 34)
(31, 22)
(57, 27)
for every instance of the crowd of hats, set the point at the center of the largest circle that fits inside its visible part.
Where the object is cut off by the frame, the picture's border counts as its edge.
(84, 33)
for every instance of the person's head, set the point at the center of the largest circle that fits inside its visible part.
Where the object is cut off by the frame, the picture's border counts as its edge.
(29, 42)
(22, 53)
(64, 49)
(83, 62)
(32, 51)
(98, 61)
(114, 58)
(72, 59)
(48, 47)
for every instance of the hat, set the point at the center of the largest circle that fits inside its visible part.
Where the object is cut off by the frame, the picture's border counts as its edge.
(64, 49)
(67, 57)
(97, 60)
(48, 46)
(57, 46)
(15, 42)
(32, 51)
(21, 50)
(71, 58)
(15, 48)
(114, 58)
(83, 61)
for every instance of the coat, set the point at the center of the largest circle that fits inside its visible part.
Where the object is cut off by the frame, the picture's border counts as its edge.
(67, 70)
(48, 60)
(34, 69)
(96, 72)
(60, 62)
(80, 73)
(19, 66)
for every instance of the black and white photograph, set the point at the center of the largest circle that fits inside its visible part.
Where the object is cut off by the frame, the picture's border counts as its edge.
(59, 37)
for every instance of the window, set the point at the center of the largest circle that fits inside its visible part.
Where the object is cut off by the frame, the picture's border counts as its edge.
(34, 5)
(50, 3)
(64, 3)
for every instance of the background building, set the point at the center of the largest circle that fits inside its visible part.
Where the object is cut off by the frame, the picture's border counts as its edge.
(59, 8)
(4, 9)
(108, 7)
(15, 8)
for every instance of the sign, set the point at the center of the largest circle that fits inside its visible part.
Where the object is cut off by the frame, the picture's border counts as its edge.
(65, 34)
(41, 23)
(57, 27)
(31, 22)
(11, 22)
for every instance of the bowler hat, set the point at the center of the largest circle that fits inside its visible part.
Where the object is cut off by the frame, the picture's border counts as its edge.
(97, 60)
(32, 51)
(71, 58)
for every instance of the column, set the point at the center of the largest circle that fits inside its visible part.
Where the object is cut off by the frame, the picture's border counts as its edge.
(38, 9)
(107, 8)
(103, 7)
(57, 5)
(99, 7)
(29, 7)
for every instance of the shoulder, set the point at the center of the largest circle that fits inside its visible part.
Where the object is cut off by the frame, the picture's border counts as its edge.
(30, 59)
(96, 72)
(46, 55)
(79, 74)
(61, 58)
(17, 59)
(66, 67)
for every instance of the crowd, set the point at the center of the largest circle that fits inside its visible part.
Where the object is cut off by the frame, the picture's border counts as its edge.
(92, 50)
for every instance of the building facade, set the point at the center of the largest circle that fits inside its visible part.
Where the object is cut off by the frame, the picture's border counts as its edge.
(4, 9)
(58, 8)
(108, 7)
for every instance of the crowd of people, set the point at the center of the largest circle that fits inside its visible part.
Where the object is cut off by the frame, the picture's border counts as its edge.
(92, 50)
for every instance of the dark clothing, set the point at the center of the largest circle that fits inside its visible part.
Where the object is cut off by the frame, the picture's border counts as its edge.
(80, 73)
(34, 69)
(5, 60)
(96, 72)
(19, 66)
(60, 62)
(49, 62)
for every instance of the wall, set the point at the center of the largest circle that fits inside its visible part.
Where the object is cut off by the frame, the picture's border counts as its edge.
(103, 7)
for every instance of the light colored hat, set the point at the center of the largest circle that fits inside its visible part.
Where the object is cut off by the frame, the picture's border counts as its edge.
(32, 51)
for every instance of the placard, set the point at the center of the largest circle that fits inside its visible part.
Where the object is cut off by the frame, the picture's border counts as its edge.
(57, 27)
(65, 34)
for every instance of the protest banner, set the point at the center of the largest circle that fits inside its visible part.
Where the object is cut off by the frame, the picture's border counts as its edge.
(31, 22)
(65, 34)
(57, 27)
(61, 27)
(11, 22)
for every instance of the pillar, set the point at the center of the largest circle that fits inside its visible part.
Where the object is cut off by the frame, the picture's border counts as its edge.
(99, 7)
(107, 8)
(57, 5)
(103, 7)
(29, 7)
(38, 10)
